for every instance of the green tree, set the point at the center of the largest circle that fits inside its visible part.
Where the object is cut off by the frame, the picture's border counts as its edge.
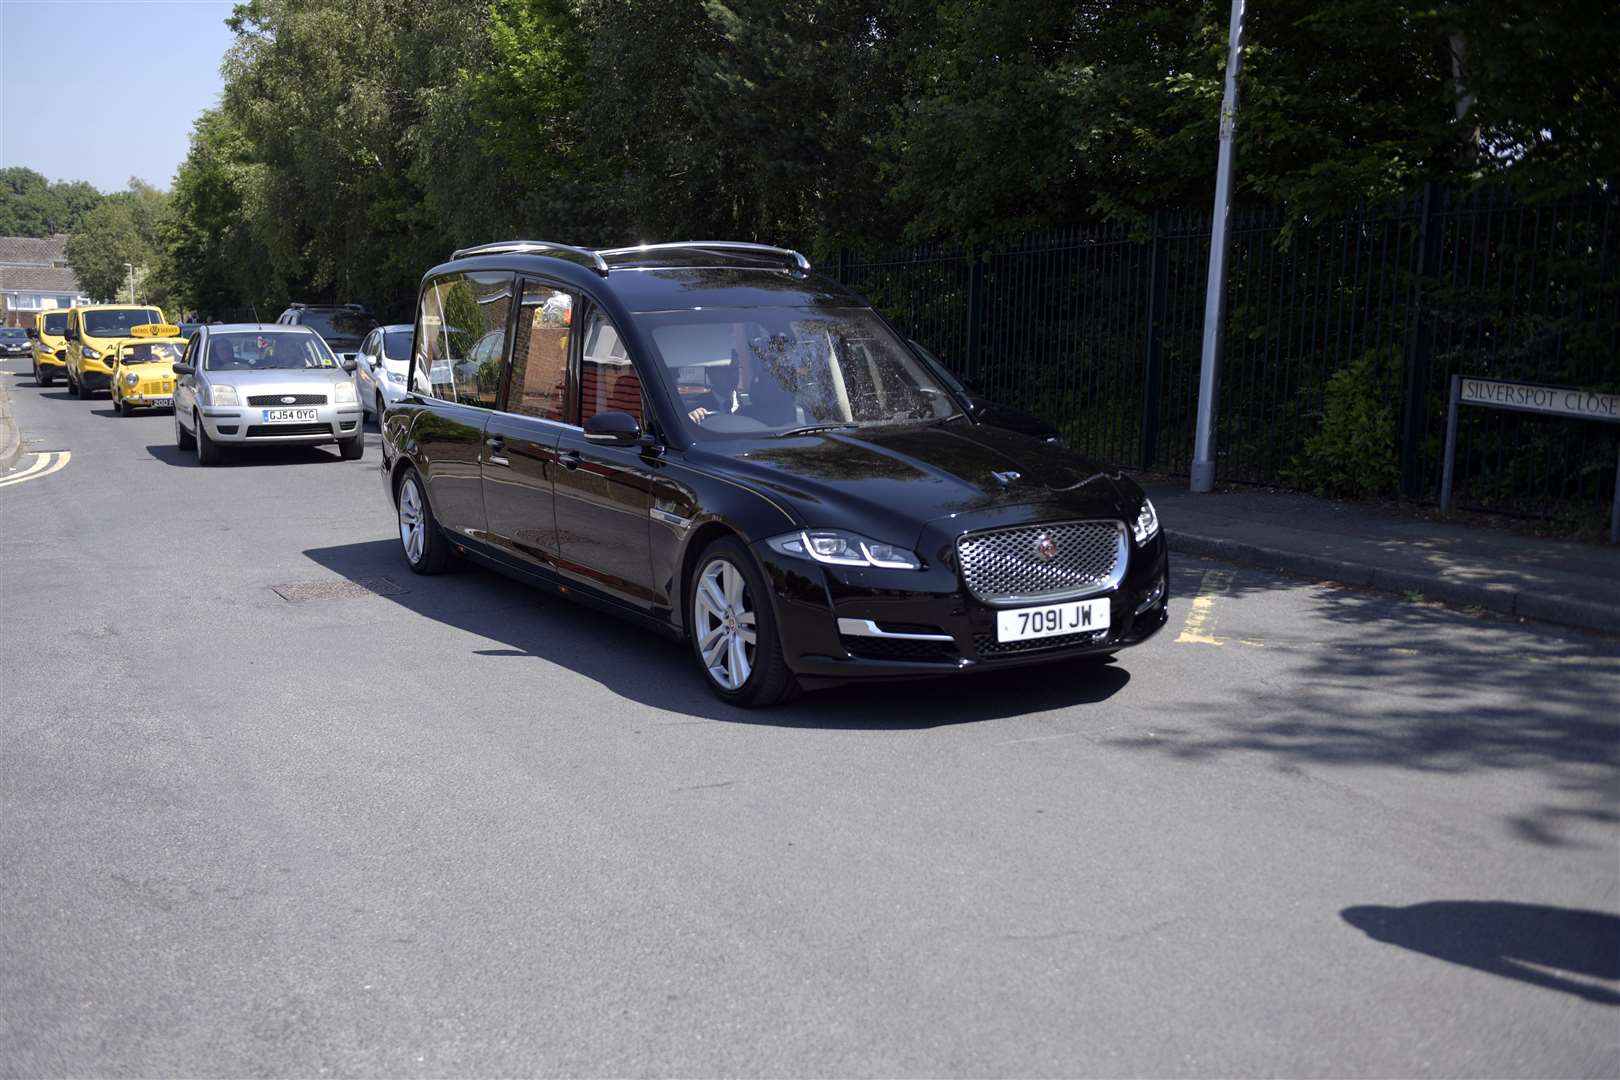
(31, 206)
(125, 228)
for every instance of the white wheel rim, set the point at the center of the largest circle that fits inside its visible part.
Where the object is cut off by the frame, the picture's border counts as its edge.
(412, 527)
(725, 625)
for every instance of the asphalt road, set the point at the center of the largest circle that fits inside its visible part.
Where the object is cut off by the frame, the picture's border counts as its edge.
(452, 826)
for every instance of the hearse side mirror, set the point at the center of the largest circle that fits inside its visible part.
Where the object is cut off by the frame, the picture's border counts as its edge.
(182, 368)
(615, 429)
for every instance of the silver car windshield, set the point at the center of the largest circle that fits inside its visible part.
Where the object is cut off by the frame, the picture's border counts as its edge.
(267, 351)
(761, 371)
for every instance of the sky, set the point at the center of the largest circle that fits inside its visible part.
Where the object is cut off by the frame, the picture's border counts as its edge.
(108, 116)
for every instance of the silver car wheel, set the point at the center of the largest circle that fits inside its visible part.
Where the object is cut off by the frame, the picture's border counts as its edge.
(725, 625)
(412, 525)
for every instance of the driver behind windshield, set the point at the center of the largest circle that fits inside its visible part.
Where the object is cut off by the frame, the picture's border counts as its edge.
(721, 395)
(771, 397)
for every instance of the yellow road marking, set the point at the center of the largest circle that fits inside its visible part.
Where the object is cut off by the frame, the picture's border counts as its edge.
(1196, 628)
(42, 465)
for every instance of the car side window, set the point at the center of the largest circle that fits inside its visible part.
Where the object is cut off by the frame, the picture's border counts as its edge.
(461, 337)
(539, 382)
(607, 380)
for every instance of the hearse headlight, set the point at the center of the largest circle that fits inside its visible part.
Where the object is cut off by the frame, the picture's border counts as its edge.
(1147, 522)
(835, 547)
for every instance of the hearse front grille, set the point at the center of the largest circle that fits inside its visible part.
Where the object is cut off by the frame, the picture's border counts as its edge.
(1038, 563)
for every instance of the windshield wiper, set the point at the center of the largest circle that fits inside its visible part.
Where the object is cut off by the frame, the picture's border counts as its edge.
(811, 429)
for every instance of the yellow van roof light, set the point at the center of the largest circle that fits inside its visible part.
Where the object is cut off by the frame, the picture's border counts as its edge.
(155, 329)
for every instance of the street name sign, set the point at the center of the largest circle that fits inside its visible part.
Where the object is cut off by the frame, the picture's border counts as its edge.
(1565, 401)
(1552, 400)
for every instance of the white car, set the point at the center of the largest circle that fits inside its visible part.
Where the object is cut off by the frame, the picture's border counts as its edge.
(382, 365)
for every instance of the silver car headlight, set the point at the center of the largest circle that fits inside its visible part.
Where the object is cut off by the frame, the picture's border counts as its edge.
(395, 377)
(1147, 522)
(344, 394)
(835, 547)
(131, 379)
(223, 395)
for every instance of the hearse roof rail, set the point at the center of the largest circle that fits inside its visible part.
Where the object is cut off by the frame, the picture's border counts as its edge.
(796, 261)
(535, 247)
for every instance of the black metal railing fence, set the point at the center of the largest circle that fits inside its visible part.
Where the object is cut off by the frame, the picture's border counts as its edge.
(1099, 329)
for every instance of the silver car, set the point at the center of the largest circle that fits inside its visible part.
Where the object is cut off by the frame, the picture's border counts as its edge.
(383, 362)
(246, 384)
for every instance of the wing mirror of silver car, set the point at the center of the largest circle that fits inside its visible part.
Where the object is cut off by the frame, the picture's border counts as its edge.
(184, 369)
(615, 429)
(349, 364)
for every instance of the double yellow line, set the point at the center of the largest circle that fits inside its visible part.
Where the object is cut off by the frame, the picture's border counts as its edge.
(42, 465)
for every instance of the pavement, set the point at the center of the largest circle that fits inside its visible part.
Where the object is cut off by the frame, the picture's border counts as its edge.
(1563, 582)
(272, 805)
(10, 438)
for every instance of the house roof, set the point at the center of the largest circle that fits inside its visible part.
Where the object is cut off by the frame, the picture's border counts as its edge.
(33, 251)
(44, 279)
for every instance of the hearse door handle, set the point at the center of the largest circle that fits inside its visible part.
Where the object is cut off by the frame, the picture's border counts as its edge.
(568, 459)
(496, 444)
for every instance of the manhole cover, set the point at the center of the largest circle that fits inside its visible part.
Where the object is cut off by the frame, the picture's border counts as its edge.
(337, 590)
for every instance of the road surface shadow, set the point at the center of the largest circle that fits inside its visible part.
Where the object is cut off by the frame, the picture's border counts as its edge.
(643, 666)
(252, 456)
(1370, 680)
(1533, 943)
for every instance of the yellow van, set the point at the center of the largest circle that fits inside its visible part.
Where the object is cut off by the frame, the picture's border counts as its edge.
(92, 332)
(47, 331)
(143, 367)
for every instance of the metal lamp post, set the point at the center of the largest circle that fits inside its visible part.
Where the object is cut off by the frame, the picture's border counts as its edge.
(1203, 463)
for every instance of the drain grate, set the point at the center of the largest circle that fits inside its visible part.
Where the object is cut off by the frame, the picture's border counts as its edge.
(299, 591)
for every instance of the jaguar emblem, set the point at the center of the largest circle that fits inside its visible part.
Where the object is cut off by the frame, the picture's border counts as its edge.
(1046, 548)
(288, 399)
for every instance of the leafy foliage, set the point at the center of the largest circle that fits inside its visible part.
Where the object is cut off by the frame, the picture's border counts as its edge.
(125, 228)
(32, 206)
(358, 141)
(1355, 452)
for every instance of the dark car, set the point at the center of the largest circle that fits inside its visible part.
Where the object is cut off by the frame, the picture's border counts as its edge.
(714, 441)
(342, 326)
(14, 341)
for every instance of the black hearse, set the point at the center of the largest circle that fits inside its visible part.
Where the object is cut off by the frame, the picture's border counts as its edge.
(711, 439)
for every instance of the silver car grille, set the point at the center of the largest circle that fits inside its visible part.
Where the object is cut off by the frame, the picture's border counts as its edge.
(1036, 563)
(283, 399)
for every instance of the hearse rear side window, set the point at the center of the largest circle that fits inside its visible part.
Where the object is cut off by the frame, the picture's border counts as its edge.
(461, 337)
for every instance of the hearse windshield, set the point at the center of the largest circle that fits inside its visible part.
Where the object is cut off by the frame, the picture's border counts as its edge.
(763, 371)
